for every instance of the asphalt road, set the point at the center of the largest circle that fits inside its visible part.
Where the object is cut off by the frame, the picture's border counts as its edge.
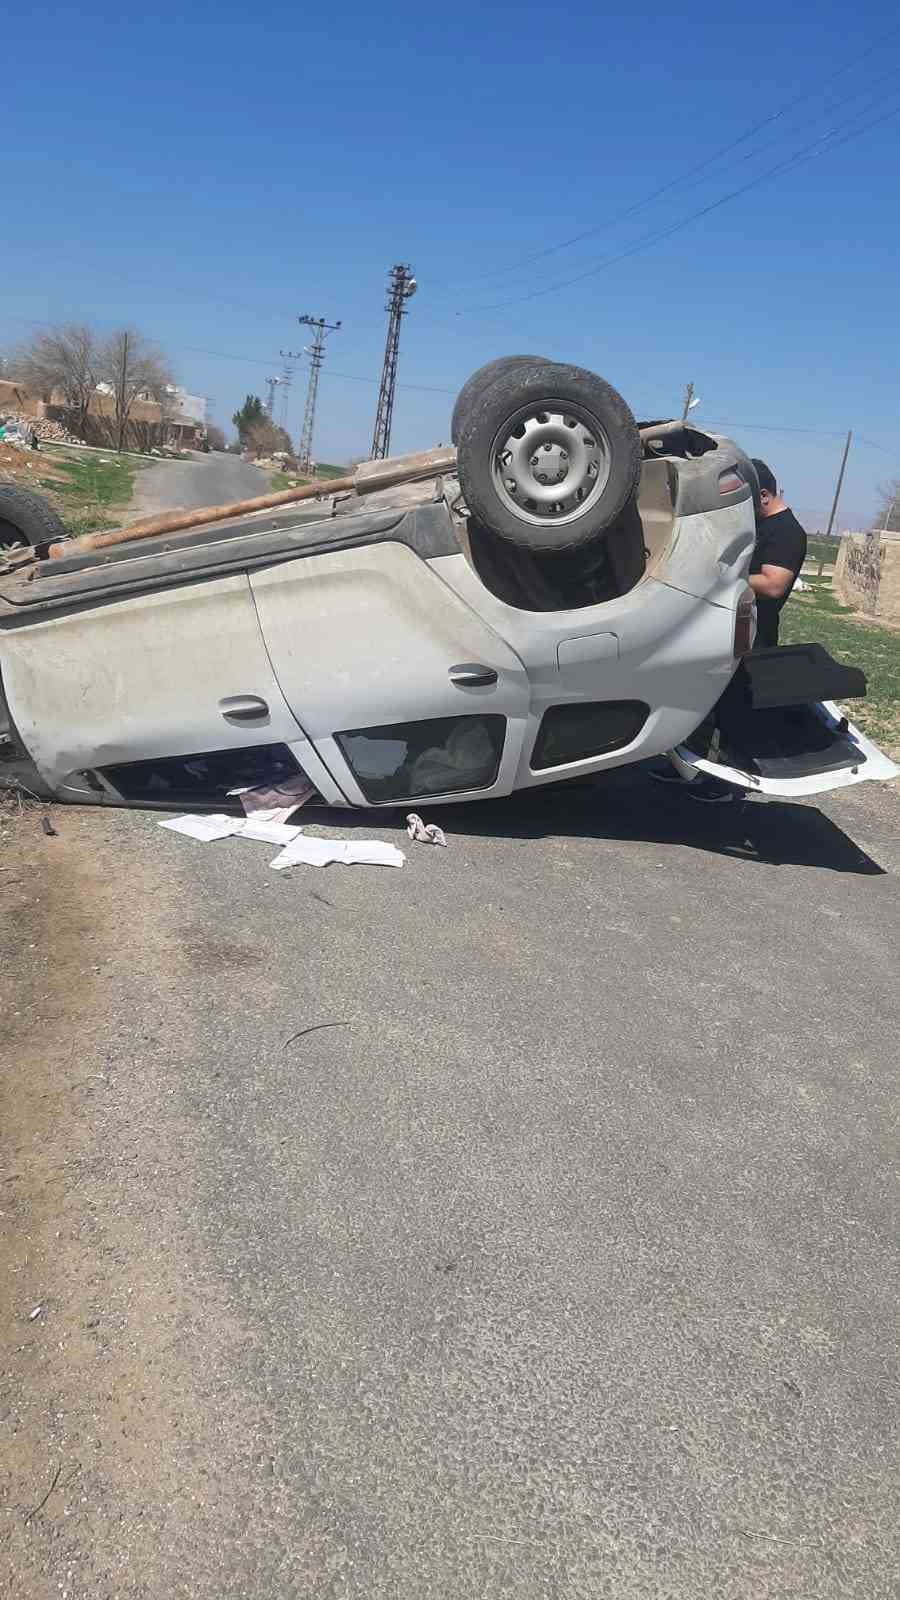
(205, 480)
(559, 1260)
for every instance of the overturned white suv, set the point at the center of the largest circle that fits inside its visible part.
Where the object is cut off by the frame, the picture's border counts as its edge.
(567, 594)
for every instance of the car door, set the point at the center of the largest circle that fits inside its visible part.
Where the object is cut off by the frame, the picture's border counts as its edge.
(402, 688)
(107, 694)
(772, 734)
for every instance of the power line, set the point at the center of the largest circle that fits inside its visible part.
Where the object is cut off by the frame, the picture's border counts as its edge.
(895, 452)
(701, 166)
(258, 308)
(422, 388)
(251, 361)
(774, 427)
(355, 377)
(348, 377)
(829, 111)
(806, 153)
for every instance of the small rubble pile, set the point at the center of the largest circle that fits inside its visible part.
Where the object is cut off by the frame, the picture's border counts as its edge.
(54, 432)
(47, 430)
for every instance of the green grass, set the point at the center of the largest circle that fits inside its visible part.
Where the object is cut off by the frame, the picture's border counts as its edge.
(284, 480)
(822, 550)
(818, 617)
(294, 480)
(91, 488)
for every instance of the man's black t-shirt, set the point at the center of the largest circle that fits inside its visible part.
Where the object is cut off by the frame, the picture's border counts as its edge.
(780, 542)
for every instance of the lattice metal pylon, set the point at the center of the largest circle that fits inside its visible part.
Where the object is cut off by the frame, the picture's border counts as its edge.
(316, 357)
(401, 286)
(288, 357)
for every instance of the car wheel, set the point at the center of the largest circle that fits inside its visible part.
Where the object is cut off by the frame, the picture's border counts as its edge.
(481, 380)
(548, 456)
(27, 519)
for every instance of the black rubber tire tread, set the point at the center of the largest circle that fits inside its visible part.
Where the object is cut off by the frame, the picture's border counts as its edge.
(32, 517)
(481, 380)
(544, 383)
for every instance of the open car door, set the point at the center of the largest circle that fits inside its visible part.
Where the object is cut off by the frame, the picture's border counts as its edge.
(778, 730)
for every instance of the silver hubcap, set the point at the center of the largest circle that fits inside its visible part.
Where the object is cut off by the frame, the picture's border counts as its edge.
(551, 464)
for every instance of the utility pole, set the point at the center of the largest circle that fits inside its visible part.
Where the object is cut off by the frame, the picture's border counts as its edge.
(272, 384)
(688, 397)
(401, 288)
(286, 379)
(123, 416)
(316, 356)
(837, 493)
(838, 486)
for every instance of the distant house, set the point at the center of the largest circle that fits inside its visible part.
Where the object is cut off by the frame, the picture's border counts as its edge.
(187, 407)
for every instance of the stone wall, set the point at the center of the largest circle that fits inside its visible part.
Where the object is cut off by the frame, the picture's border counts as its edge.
(146, 426)
(13, 398)
(867, 574)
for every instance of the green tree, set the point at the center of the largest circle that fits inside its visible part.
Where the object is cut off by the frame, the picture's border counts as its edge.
(251, 414)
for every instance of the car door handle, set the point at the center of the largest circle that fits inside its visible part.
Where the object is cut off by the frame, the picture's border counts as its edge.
(470, 675)
(243, 708)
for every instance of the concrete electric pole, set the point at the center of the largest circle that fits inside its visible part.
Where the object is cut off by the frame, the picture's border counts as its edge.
(837, 496)
(401, 288)
(838, 486)
(316, 352)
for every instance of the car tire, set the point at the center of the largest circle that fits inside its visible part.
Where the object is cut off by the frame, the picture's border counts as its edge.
(548, 457)
(481, 380)
(27, 519)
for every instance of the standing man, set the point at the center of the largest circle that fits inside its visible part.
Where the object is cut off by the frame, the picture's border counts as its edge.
(777, 558)
(780, 553)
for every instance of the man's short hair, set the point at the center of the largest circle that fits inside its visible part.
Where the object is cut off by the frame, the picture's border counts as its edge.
(765, 475)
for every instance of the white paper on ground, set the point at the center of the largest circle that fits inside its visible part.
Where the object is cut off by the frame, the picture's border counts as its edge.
(204, 828)
(373, 853)
(323, 852)
(309, 852)
(268, 832)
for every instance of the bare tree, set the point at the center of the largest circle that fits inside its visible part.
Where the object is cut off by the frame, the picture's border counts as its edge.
(64, 360)
(215, 436)
(134, 370)
(887, 517)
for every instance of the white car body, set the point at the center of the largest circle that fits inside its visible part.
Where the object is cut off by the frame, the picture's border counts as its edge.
(370, 634)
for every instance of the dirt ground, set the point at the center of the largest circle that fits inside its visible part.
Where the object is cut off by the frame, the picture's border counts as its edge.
(28, 467)
(64, 1239)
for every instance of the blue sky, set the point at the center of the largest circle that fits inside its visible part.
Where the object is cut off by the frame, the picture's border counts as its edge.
(208, 172)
